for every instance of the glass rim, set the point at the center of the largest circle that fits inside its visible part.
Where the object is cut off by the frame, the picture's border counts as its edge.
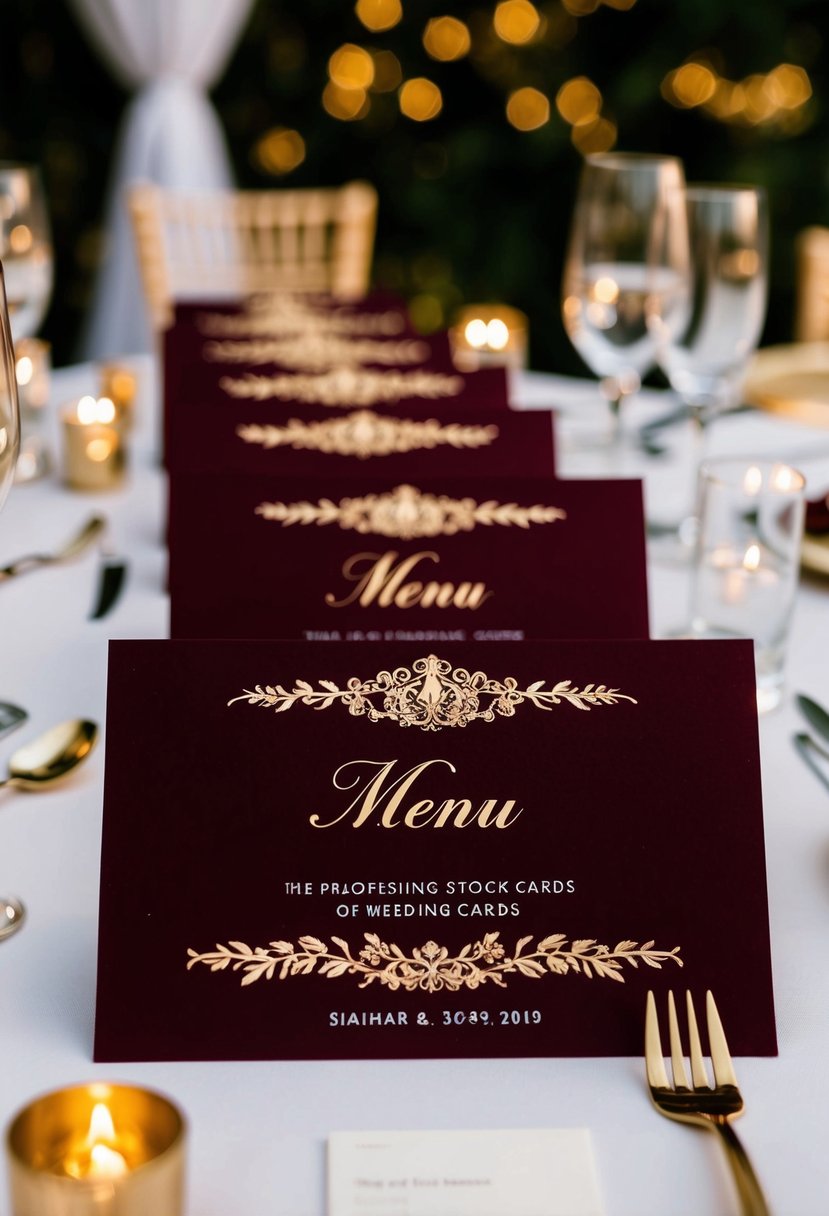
(732, 473)
(606, 159)
(715, 190)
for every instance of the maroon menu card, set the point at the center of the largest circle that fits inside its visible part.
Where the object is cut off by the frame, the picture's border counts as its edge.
(355, 443)
(460, 558)
(398, 851)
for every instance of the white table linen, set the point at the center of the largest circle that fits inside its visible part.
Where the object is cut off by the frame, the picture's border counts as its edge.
(257, 1130)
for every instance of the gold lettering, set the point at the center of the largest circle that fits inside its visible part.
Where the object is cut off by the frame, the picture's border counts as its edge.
(380, 578)
(382, 794)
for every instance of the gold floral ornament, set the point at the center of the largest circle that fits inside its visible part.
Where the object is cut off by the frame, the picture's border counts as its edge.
(275, 315)
(362, 433)
(406, 513)
(316, 351)
(431, 968)
(343, 386)
(431, 695)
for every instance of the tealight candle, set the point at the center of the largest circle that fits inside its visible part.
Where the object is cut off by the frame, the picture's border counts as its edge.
(32, 361)
(119, 384)
(489, 335)
(93, 444)
(97, 1150)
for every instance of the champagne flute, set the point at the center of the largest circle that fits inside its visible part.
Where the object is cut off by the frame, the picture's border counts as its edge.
(626, 267)
(706, 356)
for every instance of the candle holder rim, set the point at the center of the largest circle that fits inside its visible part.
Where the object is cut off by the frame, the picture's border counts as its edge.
(15, 1123)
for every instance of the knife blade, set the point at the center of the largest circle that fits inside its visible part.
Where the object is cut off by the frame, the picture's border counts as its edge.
(806, 747)
(815, 715)
(11, 716)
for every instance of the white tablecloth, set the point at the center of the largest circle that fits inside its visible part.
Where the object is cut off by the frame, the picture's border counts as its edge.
(258, 1130)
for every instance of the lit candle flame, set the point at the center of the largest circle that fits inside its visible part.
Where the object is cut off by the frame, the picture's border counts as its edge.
(25, 369)
(90, 410)
(753, 480)
(497, 334)
(96, 1158)
(475, 333)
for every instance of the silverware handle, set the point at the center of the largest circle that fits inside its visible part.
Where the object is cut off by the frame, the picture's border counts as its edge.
(752, 1199)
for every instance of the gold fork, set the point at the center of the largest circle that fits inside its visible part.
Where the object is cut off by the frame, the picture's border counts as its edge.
(699, 1103)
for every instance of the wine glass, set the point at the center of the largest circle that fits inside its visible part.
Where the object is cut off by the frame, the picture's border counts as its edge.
(626, 267)
(706, 355)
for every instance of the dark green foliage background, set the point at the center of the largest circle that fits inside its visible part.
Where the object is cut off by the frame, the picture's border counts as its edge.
(470, 209)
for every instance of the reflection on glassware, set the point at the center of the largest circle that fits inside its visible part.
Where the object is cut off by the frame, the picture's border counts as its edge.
(706, 356)
(746, 561)
(626, 269)
(33, 364)
(25, 247)
(9, 411)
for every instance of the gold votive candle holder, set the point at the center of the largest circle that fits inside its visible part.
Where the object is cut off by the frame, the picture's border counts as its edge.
(94, 450)
(120, 385)
(489, 335)
(33, 367)
(97, 1150)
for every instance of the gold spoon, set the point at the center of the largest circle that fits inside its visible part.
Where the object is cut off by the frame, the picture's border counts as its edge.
(12, 915)
(52, 755)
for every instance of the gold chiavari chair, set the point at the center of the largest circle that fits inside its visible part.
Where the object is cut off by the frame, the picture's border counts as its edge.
(812, 306)
(222, 243)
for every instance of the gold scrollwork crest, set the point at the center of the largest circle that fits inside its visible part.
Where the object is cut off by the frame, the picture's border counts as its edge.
(344, 386)
(431, 695)
(274, 316)
(406, 513)
(432, 968)
(362, 433)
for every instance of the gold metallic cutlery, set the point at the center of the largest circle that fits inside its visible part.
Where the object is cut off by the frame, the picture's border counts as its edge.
(697, 1102)
(12, 916)
(51, 756)
(91, 531)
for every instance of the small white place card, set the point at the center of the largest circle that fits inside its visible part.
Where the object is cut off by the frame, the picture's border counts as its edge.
(463, 1173)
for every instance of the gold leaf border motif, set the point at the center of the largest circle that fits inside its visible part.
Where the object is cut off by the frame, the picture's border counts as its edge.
(344, 386)
(431, 968)
(363, 434)
(432, 695)
(406, 513)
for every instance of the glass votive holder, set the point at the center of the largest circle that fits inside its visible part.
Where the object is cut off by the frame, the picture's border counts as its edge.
(489, 335)
(747, 561)
(94, 448)
(33, 366)
(119, 384)
(97, 1150)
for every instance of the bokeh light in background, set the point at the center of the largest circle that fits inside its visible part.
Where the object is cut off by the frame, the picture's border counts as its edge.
(379, 14)
(420, 99)
(528, 109)
(387, 72)
(280, 151)
(447, 38)
(345, 104)
(774, 97)
(516, 21)
(351, 67)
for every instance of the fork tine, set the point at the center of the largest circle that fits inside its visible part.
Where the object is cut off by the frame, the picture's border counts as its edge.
(697, 1063)
(720, 1056)
(654, 1063)
(677, 1061)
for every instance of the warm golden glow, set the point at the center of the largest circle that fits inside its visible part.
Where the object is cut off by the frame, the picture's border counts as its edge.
(475, 333)
(351, 67)
(581, 8)
(758, 98)
(598, 136)
(20, 239)
(693, 84)
(25, 370)
(99, 450)
(447, 38)
(606, 290)
(784, 479)
(579, 101)
(387, 72)
(516, 21)
(379, 14)
(497, 334)
(280, 150)
(420, 99)
(345, 104)
(90, 410)
(528, 109)
(95, 1158)
(751, 558)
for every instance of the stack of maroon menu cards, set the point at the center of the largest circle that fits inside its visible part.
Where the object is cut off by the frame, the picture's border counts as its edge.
(425, 846)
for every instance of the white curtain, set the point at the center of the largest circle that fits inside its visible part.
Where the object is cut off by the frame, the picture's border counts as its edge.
(169, 52)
